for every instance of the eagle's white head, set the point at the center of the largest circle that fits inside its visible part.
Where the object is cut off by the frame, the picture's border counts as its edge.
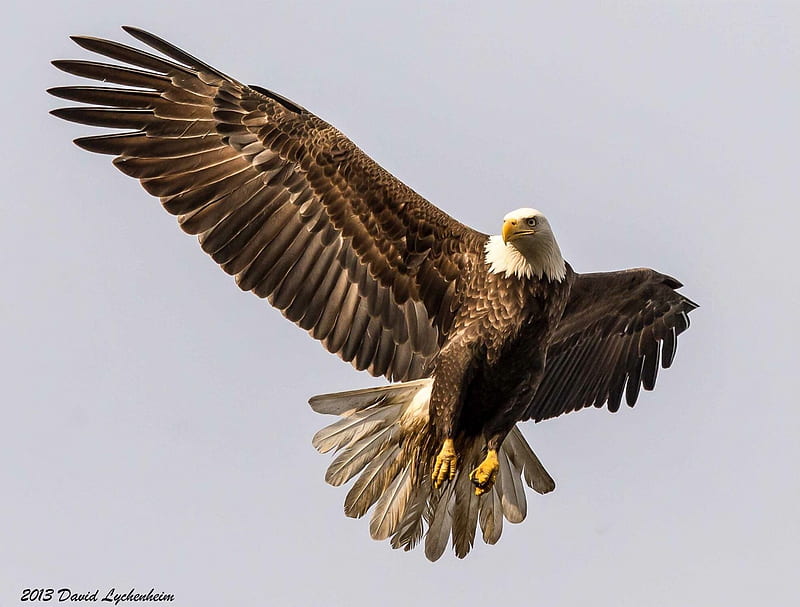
(526, 248)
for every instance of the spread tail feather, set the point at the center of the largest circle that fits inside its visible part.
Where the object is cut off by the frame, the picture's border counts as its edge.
(383, 439)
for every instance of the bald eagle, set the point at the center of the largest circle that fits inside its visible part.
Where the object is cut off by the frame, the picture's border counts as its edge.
(476, 332)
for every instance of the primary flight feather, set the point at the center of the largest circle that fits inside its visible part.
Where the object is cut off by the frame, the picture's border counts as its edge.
(479, 332)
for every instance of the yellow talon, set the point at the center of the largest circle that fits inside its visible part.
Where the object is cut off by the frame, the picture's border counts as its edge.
(445, 466)
(483, 476)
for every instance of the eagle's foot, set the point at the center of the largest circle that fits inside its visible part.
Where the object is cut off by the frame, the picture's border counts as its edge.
(445, 466)
(484, 475)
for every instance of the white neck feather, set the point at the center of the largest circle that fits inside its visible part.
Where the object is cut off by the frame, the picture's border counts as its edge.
(541, 258)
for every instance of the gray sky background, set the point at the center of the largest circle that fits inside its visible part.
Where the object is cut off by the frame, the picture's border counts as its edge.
(155, 428)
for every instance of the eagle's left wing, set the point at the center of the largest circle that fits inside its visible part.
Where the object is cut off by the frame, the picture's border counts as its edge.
(615, 330)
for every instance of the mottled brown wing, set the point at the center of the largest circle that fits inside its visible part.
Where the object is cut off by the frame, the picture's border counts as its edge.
(282, 200)
(616, 328)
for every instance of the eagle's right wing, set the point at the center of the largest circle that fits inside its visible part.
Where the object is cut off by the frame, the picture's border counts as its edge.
(283, 201)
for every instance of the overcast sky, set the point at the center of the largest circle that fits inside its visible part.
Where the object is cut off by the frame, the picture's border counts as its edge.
(156, 431)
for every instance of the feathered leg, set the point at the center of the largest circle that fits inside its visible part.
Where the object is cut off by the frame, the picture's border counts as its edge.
(497, 428)
(453, 366)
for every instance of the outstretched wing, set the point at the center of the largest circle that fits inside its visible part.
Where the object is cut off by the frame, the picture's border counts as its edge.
(282, 200)
(616, 328)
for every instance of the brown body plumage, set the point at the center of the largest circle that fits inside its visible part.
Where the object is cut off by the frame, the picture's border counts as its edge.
(495, 355)
(483, 333)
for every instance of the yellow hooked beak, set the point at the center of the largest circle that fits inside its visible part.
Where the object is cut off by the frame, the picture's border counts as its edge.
(512, 229)
(509, 227)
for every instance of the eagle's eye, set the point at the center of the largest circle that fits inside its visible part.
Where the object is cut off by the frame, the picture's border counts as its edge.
(531, 221)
